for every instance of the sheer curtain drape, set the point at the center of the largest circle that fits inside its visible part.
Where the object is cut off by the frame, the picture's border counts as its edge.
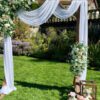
(67, 12)
(8, 67)
(38, 17)
(83, 30)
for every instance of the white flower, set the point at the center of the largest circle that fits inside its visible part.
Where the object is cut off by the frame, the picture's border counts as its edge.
(7, 25)
(73, 94)
(11, 32)
(0, 5)
(0, 19)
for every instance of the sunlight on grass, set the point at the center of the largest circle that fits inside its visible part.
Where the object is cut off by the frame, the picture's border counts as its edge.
(42, 80)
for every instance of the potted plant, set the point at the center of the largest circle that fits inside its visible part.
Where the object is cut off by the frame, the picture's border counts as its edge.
(78, 62)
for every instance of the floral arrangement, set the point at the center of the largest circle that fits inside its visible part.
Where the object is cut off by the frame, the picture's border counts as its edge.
(8, 9)
(79, 58)
(87, 93)
(74, 96)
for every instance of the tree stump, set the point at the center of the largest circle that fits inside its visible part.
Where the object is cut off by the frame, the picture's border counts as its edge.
(76, 84)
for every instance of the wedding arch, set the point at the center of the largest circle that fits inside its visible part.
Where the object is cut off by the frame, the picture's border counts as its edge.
(36, 18)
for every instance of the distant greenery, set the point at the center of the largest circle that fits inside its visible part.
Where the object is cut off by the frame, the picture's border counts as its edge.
(21, 40)
(37, 79)
(98, 2)
(53, 45)
(94, 55)
(94, 46)
(35, 5)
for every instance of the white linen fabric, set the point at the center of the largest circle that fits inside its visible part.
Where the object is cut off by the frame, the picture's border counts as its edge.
(38, 17)
(8, 67)
(83, 30)
(67, 12)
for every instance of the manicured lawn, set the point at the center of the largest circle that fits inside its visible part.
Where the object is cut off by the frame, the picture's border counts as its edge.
(42, 80)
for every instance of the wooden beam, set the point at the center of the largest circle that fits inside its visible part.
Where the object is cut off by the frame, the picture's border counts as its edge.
(63, 2)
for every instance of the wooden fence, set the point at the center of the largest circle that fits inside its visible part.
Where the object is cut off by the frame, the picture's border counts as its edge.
(93, 16)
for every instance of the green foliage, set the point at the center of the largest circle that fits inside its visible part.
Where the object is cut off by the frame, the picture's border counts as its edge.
(59, 46)
(35, 5)
(8, 8)
(39, 79)
(94, 55)
(79, 59)
(94, 33)
(53, 46)
(22, 31)
(22, 48)
(98, 2)
(1, 46)
(22, 44)
(43, 80)
(40, 45)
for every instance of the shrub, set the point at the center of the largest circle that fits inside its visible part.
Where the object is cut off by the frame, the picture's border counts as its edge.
(22, 39)
(1, 47)
(52, 45)
(98, 2)
(59, 46)
(21, 48)
(94, 55)
(94, 31)
(22, 31)
(40, 45)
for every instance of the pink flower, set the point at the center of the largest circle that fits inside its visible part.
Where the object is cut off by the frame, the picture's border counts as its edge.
(79, 97)
(72, 94)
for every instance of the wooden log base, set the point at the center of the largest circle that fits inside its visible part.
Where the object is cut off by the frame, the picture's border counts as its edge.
(2, 96)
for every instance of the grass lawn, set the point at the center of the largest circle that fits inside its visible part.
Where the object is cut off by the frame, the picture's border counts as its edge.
(42, 80)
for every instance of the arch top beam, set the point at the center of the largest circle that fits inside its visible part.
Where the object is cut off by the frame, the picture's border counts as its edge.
(65, 2)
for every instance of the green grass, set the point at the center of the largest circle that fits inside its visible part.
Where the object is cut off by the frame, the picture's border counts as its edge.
(42, 80)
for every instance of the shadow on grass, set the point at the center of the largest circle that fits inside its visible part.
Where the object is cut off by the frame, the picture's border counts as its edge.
(63, 90)
(33, 59)
(94, 68)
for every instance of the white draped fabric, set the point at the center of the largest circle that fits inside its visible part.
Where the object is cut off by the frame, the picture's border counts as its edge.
(41, 15)
(38, 17)
(68, 12)
(8, 67)
(83, 29)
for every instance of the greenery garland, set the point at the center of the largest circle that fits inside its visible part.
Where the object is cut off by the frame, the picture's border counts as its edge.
(79, 58)
(8, 9)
